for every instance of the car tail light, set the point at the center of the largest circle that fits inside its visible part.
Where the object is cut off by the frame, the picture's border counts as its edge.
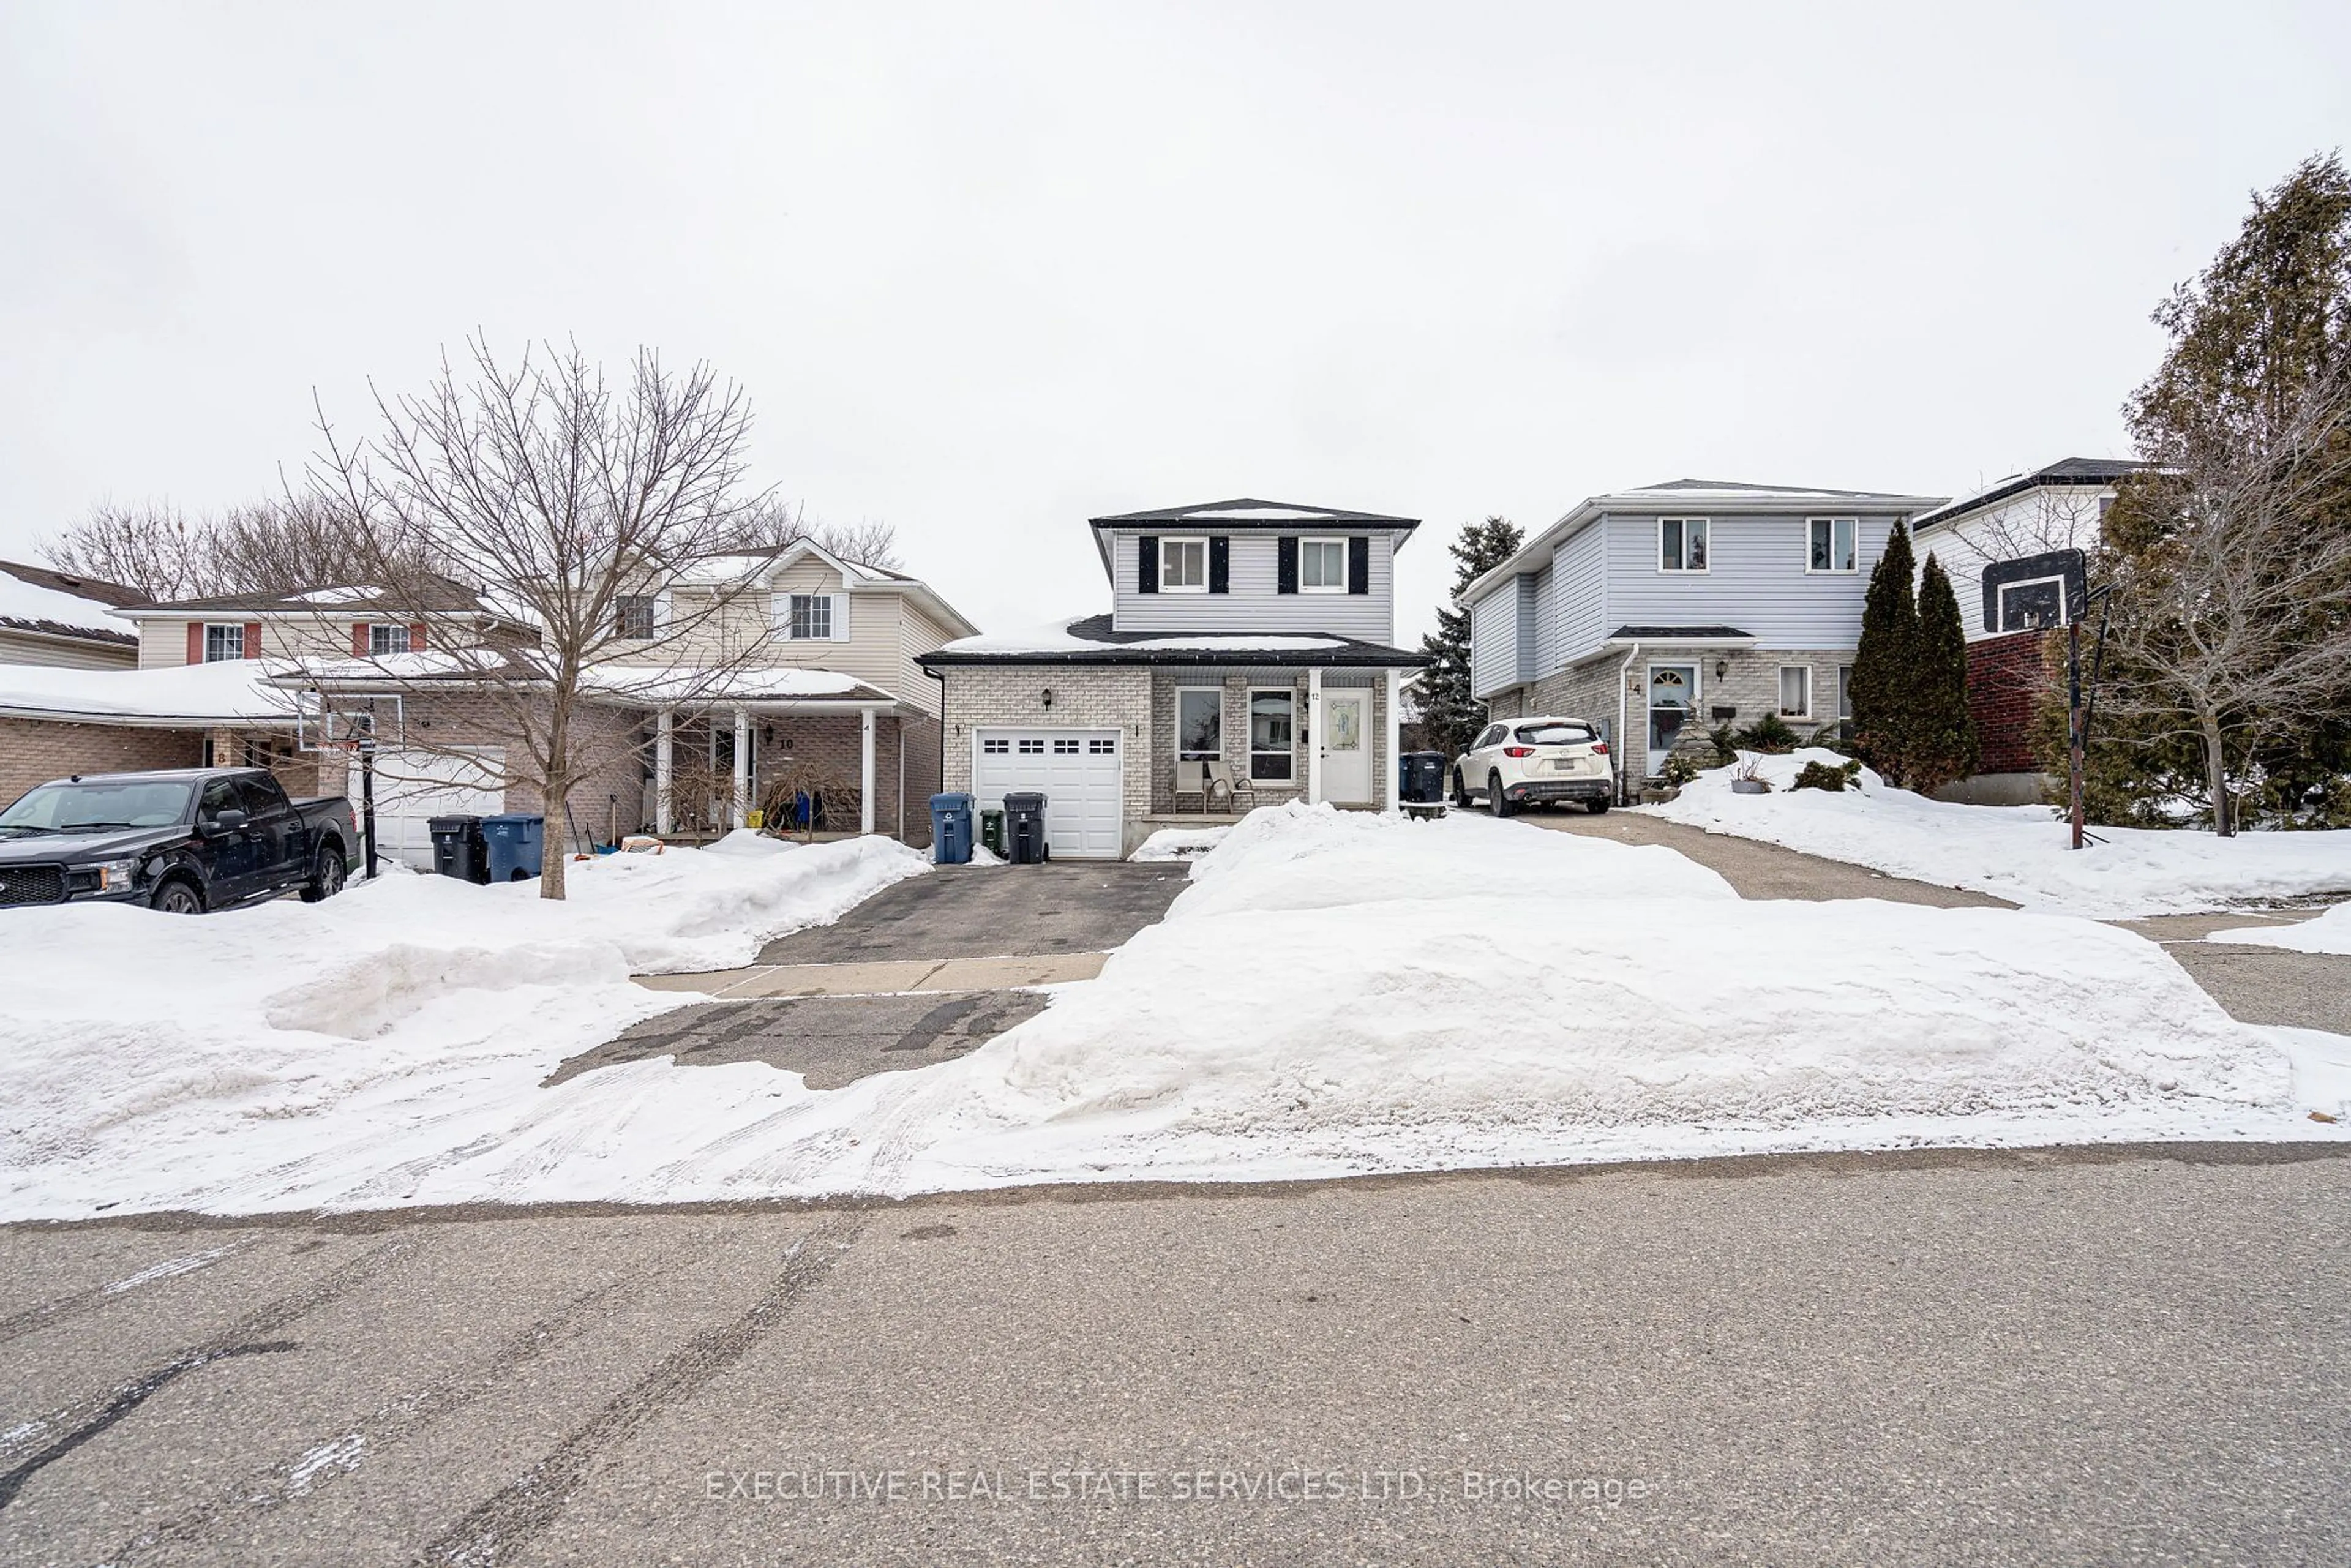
(1518, 751)
(1599, 749)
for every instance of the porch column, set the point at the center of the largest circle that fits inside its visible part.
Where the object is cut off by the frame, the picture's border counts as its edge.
(742, 767)
(1394, 728)
(865, 772)
(664, 774)
(1314, 737)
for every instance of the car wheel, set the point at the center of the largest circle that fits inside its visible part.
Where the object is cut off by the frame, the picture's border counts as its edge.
(178, 896)
(1596, 807)
(1461, 790)
(328, 880)
(1495, 801)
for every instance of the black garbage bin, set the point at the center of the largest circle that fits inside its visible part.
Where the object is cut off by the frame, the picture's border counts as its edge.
(1421, 781)
(1024, 823)
(458, 848)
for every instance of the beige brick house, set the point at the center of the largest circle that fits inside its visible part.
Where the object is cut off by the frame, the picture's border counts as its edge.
(1246, 660)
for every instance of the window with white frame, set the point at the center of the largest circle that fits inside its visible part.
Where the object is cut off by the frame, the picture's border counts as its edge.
(1321, 566)
(1184, 566)
(1681, 544)
(2034, 606)
(1273, 731)
(223, 643)
(1832, 544)
(634, 612)
(384, 638)
(1200, 724)
(1795, 691)
(811, 617)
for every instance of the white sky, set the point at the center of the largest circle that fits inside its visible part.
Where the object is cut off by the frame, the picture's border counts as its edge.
(987, 270)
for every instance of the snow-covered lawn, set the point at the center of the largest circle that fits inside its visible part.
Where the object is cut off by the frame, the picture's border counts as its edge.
(1336, 992)
(1179, 844)
(2017, 852)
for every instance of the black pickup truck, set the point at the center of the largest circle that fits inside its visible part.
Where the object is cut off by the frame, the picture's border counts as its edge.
(184, 841)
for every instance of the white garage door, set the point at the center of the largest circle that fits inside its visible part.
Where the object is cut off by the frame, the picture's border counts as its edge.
(414, 786)
(1077, 771)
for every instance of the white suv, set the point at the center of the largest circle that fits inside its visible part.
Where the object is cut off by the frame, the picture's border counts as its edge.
(1529, 761)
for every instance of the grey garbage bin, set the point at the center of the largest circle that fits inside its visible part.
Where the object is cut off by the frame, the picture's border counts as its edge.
(1024, 824)
(458, 850)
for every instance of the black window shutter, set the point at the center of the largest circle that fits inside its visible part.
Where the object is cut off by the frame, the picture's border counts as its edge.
(1286, 564)
(1359, 564)
(1221, 563)
(1146, 564)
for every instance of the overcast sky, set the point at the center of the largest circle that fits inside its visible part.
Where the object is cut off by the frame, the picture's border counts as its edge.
(987, 270)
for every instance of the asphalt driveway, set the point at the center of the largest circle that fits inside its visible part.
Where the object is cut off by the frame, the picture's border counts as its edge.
(973, 912)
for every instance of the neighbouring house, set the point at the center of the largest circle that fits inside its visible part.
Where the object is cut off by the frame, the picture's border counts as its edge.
(2057, 507)
(803, 669)
(50, 617)
(55, 720)
(1246, 660)
(1661, 612)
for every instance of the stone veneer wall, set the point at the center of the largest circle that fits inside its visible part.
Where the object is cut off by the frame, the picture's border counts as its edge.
(1085, 696)
(1749, 685)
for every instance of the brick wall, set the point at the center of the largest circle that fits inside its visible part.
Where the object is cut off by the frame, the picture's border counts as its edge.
(34, 751)
(2005, 677)
(1084, 697)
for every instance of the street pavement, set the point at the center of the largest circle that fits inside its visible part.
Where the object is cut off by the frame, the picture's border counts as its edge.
(2038, 1357)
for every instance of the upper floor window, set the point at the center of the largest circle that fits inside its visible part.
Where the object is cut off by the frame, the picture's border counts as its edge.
(383, 637)
(223, 643)
(1183, 565)
(634, 614)
(811, 617)
(1323, 566)
(1832, 544)
(1681, 544)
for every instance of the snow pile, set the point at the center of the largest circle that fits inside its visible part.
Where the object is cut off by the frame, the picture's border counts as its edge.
(227, 691)
(2017, 852)
(291, 1054)
(41, 604)
(1179, 844)
(2330, 933)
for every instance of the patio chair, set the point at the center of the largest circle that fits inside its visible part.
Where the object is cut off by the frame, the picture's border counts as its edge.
(1192, 778)
(1219, 778)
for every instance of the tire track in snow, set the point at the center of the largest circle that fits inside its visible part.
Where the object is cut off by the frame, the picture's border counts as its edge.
(498, 1528)
(395, 1421)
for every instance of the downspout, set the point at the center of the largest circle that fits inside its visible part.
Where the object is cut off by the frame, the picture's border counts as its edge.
(1623, 670)
(943, 741)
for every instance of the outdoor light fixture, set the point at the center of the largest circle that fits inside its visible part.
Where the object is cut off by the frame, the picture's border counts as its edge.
(1721, 668)
(1048, 696)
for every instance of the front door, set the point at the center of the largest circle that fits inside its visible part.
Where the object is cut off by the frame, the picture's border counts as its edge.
(1346, 759)
(1673, 700)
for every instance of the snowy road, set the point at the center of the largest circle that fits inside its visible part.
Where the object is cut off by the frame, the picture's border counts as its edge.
(1989, 1357)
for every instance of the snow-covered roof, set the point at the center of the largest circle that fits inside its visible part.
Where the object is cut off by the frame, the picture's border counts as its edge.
(229, 691)
(1250, 511)
(635, 683)
(2095, 473)
(60, 604)
(1089, 639)
(1701, 496)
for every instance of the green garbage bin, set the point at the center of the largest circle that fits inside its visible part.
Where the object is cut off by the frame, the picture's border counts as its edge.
(991, 831)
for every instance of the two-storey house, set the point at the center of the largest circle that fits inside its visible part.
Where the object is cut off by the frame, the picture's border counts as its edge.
(1660, 613)
(1247, 659)
(741, 676)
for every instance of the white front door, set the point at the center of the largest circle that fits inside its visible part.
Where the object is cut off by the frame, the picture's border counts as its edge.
(1079, 771)
(1346, 757)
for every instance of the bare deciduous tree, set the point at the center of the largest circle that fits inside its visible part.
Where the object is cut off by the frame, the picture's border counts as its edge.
(265, 547)
(769, 524)
(2231, 621)
(594, 523)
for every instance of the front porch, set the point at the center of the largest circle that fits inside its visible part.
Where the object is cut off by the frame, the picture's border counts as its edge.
(1225, 741)
(839, 769)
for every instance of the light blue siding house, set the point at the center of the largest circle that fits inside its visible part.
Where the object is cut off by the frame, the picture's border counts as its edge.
(1662, 611)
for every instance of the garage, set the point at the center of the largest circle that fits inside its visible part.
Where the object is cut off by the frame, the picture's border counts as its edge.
(414, 786)
(1079, 772)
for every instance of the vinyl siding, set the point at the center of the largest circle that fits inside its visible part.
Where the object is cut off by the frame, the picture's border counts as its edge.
(1494, 640)
(1253, 605)
(65, 652)
(1545, 654)
(2052, 518)
(1758, 582)
(1580, 600)
(163, 644)
(917, 634)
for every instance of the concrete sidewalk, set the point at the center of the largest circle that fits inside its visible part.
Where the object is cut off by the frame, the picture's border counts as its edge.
(886, 977)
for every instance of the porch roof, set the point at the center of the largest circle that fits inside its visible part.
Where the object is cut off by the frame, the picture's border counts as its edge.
(1089, 639)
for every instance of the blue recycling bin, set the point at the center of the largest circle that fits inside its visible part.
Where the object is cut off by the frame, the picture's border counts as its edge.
(516, 842)
(951, 829)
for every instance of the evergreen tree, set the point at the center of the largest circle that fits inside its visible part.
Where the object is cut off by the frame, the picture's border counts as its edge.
(1884, 664)
(1941, 740)
(1450, 716)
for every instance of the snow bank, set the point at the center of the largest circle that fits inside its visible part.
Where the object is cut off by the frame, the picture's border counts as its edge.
(2016, 852)
(1179, 844)
(2330, 933)
(292, 1055)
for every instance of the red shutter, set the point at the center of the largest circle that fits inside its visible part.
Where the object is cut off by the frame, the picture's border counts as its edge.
(195, 642)
(358, 639)
(416, 636)
(253, 639)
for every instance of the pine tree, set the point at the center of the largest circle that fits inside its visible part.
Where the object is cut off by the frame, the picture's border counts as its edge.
(1884, 664)
(1450, 716)
(1941, 741)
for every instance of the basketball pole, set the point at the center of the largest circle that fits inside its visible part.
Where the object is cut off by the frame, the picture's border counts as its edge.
(367, 800)
(2075, 746)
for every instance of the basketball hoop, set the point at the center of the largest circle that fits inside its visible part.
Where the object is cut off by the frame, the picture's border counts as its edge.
(325, 721)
